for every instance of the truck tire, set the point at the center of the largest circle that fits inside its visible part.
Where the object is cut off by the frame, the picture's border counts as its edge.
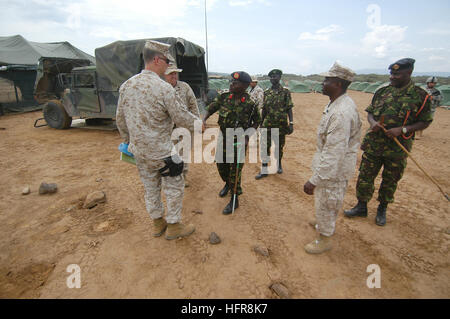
(56, 116)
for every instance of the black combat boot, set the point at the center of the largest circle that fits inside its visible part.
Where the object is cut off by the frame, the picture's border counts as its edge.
(224, 190)
(380, 220)
(229, 208)
(360, 210)
(280, 169)
(263, 172)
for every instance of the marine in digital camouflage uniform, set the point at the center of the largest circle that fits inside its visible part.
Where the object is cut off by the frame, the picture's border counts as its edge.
(406, 108)
(187, 98)
(146, 112)
(236, 110)
(275, 112)
(256, 93)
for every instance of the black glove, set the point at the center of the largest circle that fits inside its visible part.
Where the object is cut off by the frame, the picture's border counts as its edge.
(174, 166)
(290, 129)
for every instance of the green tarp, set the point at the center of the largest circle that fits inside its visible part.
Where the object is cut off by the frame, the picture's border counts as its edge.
(26, 63)
(445, 91)
(298, 87)
(120, 60)
(218, 84)
(354, 85)
(265, 84)
(318, 88)
(372, 87)
(362, 86)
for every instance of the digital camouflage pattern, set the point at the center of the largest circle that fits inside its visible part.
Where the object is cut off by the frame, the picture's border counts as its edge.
(257, 95)
(334, 162)
(233, 113)
(379, 150)
(436, 98)
(338, 137)
(146, 113)
(277, 103)
(328, 201)
(187, 97)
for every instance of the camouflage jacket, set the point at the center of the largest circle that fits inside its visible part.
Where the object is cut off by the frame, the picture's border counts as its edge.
(436, 98)
(257, 95)
(338, 137)
(277, 103)
(234, 113)
(394, 104)
(187, 97)
(146, 111)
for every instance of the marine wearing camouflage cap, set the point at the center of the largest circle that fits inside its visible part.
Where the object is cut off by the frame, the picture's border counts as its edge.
(160, 47)
(339, 71)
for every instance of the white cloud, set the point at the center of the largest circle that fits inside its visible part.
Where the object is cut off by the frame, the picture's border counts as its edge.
(443, 31)
(437, 58)
(323, 34)
(383, 39)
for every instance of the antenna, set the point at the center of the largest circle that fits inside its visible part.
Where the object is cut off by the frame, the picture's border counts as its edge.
(206, 35)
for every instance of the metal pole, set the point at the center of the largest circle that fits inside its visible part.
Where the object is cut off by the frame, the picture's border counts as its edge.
(206, 36)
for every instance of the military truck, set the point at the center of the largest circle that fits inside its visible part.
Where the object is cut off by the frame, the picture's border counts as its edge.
(92, 92)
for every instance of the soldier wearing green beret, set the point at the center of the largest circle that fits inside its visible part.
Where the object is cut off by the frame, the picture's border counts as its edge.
(236, 110)
(275, 112)
(405, 108)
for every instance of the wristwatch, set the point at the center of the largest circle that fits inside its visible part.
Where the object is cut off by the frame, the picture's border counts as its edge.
(404, 130)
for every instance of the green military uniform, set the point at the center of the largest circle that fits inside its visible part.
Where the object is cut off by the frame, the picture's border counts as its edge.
(233, 113)
(277, 103)
(379, 150)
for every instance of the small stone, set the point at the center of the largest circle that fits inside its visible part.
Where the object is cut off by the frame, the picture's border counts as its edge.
(45, 188)
(94, 198)
(103, 226)
(214, 239)
(26, 190)
(261, 250)
(281, 290)
(197, 212)
(98, 180)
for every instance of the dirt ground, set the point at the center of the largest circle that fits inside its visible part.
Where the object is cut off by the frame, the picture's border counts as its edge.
(41, 235)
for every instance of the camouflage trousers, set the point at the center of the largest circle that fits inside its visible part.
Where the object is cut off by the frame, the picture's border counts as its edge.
(228, 171)
(265, 145)
(173, 188)
(328, 201)
(393, 169)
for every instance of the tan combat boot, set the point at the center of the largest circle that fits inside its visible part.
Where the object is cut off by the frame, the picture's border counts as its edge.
(179, 230)
(318, 246)
(159, 227)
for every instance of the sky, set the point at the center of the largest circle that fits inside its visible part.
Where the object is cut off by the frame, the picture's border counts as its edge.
(299, 37)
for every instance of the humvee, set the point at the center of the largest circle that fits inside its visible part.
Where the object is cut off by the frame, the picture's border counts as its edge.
(92, 92)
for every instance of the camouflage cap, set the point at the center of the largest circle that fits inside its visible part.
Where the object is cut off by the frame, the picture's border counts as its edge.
(275, 72)
(254, 79)
(402, 64)
(241, 76)
(339, 71)
(432, 79)
(160, 47)
(172, 68)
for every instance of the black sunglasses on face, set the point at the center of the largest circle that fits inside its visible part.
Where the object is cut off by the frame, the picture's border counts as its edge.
(164, 59)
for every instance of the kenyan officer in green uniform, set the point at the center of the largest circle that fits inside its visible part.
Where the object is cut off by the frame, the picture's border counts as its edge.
(275, 112)
(236, 111)
(406, 108)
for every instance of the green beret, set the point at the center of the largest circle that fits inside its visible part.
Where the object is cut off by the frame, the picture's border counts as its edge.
(275, 72)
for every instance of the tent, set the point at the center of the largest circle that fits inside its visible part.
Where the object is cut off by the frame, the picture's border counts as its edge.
(310, 83)
(30, 69)
(362, 86)
(354, 85)
(318, 88)
(372, 87)
(218, 84)
(445, 91)
(120, 60)
(264, 84)
(298, 87)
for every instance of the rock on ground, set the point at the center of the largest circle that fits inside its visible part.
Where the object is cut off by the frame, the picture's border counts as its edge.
(45, 188)
(281, 290)
(214, 239)
(94, 198)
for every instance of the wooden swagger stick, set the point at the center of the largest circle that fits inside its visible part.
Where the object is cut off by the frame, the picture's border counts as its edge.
(410, 156)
